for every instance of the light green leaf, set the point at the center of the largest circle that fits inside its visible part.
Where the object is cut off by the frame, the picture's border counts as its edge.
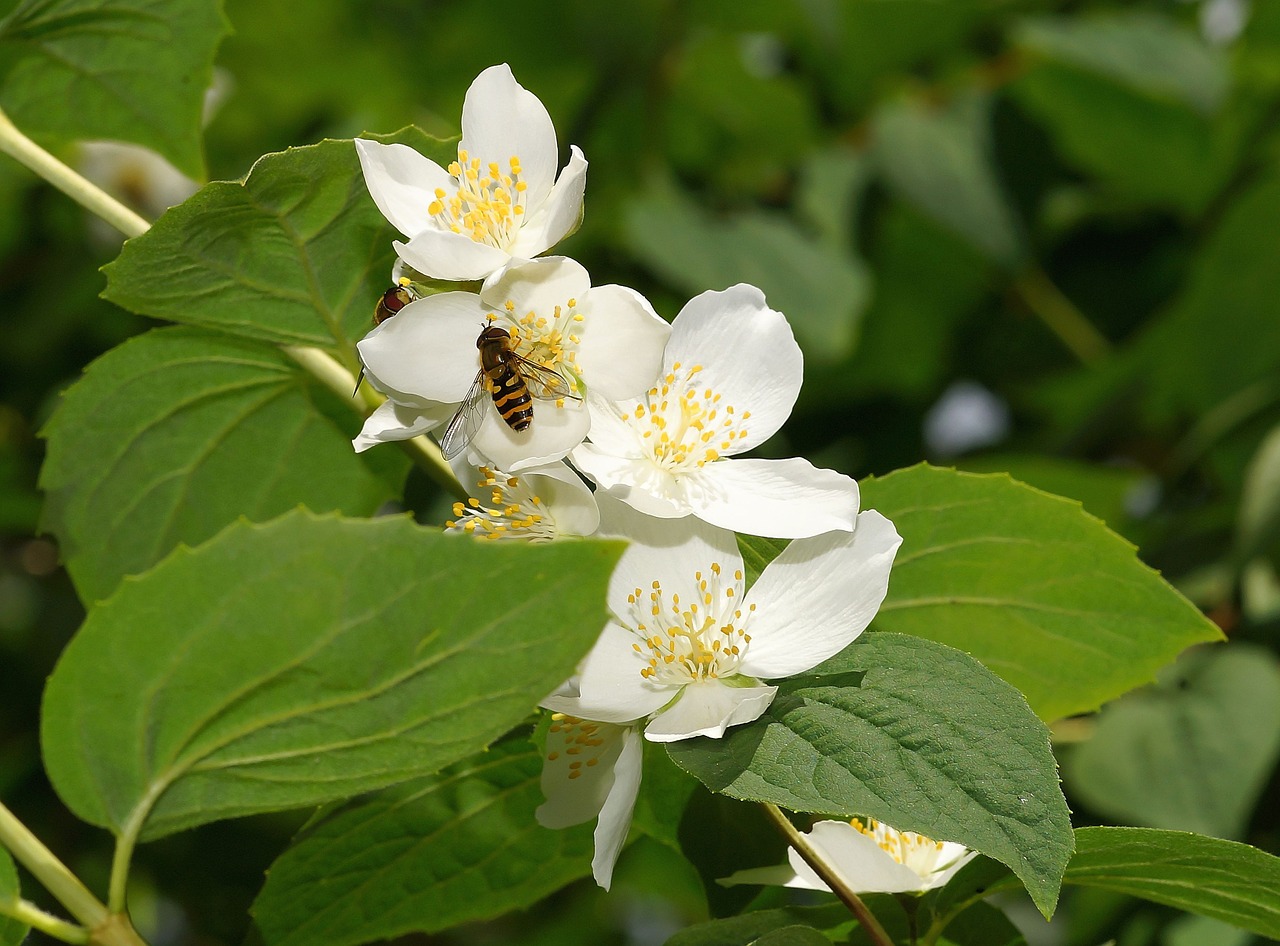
(911, 733)
(1259, 520)
(830, 187)
(297, 253)
(1038, 590)
(1191, 753)
(941, 162)
(821, 289)
(453, 848)
(12, 932)
(132, 70)
(1225, 880)
(307, 660)
(757, 552)
(178, 432)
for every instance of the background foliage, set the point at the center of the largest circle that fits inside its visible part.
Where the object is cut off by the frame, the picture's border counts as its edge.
(1057, 218)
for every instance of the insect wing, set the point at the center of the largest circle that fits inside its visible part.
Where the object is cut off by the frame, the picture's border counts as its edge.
(466, 422)
(542, 382)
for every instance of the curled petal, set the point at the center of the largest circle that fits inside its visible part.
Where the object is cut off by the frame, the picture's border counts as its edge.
(785, 499)
(559, 214)
(444, 254)
(708, 709)
(501, 120)
(615, 815)
(392, 421)
(569, 500)
(575, 798)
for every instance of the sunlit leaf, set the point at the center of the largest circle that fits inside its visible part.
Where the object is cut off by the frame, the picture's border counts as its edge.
(307, 660)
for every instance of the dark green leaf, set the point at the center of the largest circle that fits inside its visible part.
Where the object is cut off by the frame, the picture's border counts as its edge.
(297, 253)
(981, 925)
(792, 936)
(757, 552)
(133, 70)
(941, 162)
(1224, 880)
(749, 927)
(423, 856)
(720, 836)
(12, 933)
(306, 660)
(1259, 526)
(178, 432)
(1191, 753)
(928, 740)
(1029, 584)
(665, 790)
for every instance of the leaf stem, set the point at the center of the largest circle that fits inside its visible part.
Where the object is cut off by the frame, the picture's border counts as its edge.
(25, 151)
(1061, 316)
(46, 868)
(814, 859)
(31, 915)
(340, 381)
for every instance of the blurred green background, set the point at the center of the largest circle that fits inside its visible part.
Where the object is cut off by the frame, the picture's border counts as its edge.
(1041, 237)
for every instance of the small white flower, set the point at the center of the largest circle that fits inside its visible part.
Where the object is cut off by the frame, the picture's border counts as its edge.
(500, 200)
(603, 339)
(868, 857)
(592, 770)
(689, 646)
(731, 374)
(538, 505)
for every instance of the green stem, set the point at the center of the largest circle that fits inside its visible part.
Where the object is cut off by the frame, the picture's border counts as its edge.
(57, 879)
(31, 915)
(814, 859)
(88, 195)
(1060, 316)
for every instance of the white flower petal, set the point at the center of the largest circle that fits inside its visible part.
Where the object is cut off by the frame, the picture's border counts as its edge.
(567, 498)
(574, 800)
(615, 816)
(402, 183)
(951, 858)
(780, 875)
(427, 350)
(559, 214)
(444, 254)
(611, 685)
(392, 421)
(552, 434)
(536, 285)
(609, 432)
(786, 499)
(858, 860)
(623, 339)
(748, 355)
(502, 120)
(638, 483)
(815, 598)
(708, 709)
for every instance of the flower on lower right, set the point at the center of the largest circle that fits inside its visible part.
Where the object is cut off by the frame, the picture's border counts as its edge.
(867, 857)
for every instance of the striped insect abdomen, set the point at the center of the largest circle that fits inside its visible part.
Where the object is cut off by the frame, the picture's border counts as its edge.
(510, 393)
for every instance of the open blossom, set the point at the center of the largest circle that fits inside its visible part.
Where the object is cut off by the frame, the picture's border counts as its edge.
(868, 857)
(731, 374)
(690, 646)
(500, 200)
(601, 339)
(538, 505)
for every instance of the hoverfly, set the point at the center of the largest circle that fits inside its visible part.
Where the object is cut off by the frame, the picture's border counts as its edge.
(388, 304)
(511, 381)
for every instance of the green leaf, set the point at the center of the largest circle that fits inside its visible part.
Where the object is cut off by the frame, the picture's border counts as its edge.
(941, 162)
(982, 925)
(296, 254)
(1224, 880)
(792, 936)
(133, 70)
(750, 927)
(719, 836)
(1031, 585)
(12, 932)
(820, 288)
(307, 660)
(1259, 521)
(178, 432)
(453, 848)
(757, 552)
(911, 733)
(665, 791)
(1191, 753)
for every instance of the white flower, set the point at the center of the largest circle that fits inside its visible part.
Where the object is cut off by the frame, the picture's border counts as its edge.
(538, 505)
(689, 646)
(605, 339)
(592, 770)
(868, 858)
(730, 376)
(500, 200)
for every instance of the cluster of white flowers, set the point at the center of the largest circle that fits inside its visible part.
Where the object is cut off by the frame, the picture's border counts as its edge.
(588, 381)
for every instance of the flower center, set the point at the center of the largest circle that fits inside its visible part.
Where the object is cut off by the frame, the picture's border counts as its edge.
(581, 739)
(684, 426)
(690, 642)
(549, 339)
(514, 512)
(913, 851)
(487, 206)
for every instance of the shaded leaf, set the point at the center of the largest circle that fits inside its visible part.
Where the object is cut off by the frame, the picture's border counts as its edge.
(12, 932)
(1031, 585)
(1259, 522)
(307, 660)
(911, 733)
(178, 432)
(749, 927)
